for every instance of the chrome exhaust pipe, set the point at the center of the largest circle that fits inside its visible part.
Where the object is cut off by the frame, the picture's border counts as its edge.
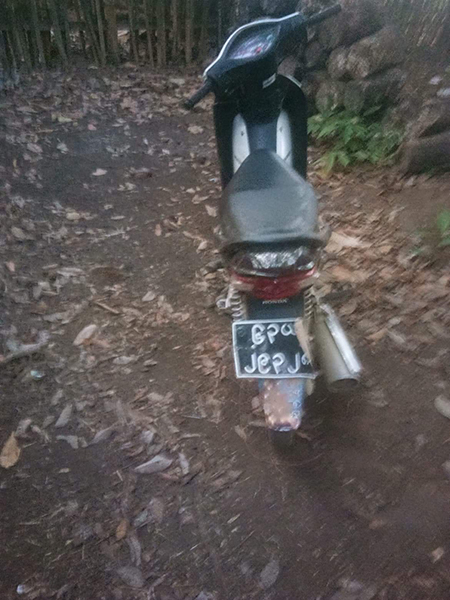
(337, 358)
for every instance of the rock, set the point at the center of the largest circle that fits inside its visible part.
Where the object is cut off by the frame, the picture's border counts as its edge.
(132, 576)
(428, 153)
(378, 90)
(269, 574)
(337, 64)
(376, 53)
(330, 95)
(433, 118)
(156, 465)
(315, 56)
(358, 19)
(311, 83)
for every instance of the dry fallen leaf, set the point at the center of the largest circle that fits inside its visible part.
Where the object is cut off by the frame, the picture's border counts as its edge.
(195, 129)
(10, 453)
(122, 530)
(211, 210)
(339, 241)
(99, 172)
(85, 335)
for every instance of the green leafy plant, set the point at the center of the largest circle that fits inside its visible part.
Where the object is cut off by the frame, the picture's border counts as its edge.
(351, 138)
(435, 238)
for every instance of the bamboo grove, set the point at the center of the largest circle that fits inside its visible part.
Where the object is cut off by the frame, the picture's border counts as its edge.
(43, 33)
(39, 33)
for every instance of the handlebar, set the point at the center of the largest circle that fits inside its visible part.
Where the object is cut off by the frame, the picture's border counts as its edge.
(296, 22)
(206, 88)
(323, 15)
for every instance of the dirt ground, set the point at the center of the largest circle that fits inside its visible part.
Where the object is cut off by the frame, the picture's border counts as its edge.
(109, 218)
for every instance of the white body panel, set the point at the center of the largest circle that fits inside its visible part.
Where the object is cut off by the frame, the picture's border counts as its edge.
(241, 148)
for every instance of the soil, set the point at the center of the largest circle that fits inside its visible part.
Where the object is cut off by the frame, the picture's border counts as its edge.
(358, 510)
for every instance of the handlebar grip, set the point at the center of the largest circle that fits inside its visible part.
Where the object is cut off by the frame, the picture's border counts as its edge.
(206, 88)
(323, 15)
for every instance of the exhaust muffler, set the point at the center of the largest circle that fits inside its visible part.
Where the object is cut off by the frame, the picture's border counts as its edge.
(337, 358)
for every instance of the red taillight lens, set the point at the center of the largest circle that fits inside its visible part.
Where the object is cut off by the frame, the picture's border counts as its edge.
(275, 288)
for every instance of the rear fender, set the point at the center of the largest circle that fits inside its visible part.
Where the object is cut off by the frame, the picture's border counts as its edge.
(282, 399)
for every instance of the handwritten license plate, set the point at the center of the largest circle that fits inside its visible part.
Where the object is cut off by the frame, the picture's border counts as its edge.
(269, 350)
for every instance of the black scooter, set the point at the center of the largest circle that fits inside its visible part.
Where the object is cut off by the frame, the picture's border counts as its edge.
(269, 219)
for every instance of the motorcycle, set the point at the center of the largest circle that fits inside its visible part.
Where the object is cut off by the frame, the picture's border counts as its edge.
(282, 332)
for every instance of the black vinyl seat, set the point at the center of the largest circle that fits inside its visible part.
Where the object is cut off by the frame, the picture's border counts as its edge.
(267, 202)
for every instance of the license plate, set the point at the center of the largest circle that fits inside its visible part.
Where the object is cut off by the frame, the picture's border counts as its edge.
(269, 350)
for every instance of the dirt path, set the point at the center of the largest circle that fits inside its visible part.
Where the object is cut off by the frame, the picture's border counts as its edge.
(108, 210)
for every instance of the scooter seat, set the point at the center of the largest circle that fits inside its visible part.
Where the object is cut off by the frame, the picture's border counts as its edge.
(267, 202)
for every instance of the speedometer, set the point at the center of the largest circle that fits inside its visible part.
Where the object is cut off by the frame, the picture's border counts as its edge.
(253, 46)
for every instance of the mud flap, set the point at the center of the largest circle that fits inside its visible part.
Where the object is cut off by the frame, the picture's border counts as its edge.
(283, 399)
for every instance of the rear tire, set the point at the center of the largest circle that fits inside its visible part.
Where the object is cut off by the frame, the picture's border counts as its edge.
(283, 441)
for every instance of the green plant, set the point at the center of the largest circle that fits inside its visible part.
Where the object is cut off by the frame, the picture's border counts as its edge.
(353, 138)
(434, 238)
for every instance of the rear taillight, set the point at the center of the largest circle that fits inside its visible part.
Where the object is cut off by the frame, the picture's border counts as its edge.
(274, 274)
(274, 288)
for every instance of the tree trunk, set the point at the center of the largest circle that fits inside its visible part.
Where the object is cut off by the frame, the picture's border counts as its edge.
(315, 56)
(358, 19)
(148, 14)
(188, 36)
(37, 33)
(337, 64)
(57, 31)
(330, 96)
(161, 47)
(426, 154)
(101, 32)
(132, 26)
(378, 90)
(375, 53)
(111, 24)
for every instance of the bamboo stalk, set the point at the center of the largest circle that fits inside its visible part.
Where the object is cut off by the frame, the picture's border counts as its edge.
(37, 33)
(175, 33)
(161, 17)
(84, 5)
(203, 41)
(65, 20)
(4, 61)
(148, 20)
(131, 22)
(111, 22)
(101, 32)
(188, 31)
(80, 30)
(57, 31)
